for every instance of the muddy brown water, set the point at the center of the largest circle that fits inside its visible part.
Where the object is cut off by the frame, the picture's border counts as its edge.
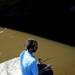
(61, 56)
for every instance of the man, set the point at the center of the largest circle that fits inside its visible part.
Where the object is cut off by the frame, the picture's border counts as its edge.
(27, 60)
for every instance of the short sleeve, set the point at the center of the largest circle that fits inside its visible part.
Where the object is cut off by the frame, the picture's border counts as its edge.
(34, 68)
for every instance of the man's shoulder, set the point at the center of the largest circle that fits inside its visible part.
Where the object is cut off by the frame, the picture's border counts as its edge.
(32, 59)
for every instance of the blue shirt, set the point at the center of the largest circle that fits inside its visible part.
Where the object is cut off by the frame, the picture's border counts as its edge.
(28, 63)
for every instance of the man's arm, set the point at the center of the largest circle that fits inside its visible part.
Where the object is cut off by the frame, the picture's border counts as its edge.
(34, 68)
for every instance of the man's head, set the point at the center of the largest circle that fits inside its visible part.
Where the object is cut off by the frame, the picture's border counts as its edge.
(31, 45)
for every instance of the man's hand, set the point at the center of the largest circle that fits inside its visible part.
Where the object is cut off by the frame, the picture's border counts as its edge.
(48, 67)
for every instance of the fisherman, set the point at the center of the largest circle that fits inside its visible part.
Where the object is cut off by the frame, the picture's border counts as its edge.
(28, 61)
(29, 65)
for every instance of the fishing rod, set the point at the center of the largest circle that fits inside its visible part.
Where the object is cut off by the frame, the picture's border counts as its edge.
(45, 60)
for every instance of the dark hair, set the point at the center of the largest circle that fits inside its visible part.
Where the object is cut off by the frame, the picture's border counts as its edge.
(31, 44)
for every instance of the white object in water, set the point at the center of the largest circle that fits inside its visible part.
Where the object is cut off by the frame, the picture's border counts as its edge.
(11, 67)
